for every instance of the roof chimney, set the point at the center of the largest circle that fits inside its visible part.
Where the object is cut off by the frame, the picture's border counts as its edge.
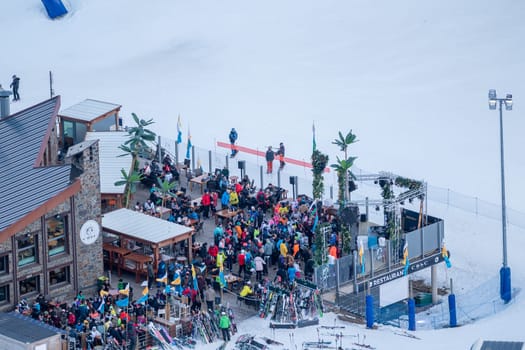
(4, 102)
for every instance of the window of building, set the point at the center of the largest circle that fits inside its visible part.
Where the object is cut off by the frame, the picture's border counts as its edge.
(4, 294)
(56, 234)
(27, 249)
(59, 275)
(4, 264)
(30, 285)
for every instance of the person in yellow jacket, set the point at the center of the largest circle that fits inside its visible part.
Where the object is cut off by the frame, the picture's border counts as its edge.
(221, 256)
(234, 200)
(246, 290)
(283, 249)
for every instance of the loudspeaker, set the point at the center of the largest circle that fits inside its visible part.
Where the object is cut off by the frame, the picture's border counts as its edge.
(363, 218)
(186, 162)
(241, 164)
(352, 186)
(350, 214)
(293, 180)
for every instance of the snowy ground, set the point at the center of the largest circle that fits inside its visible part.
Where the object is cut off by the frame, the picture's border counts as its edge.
(409, 78)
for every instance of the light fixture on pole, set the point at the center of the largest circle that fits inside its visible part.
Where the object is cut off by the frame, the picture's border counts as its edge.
(505, 284)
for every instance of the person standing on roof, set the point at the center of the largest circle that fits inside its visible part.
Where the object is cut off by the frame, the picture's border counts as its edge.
(270, 156)
(233, 138)
(14, 85)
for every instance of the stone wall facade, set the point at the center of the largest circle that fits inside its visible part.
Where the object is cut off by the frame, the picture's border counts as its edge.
(90, 264)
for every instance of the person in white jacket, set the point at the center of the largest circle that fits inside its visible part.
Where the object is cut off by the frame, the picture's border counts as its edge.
(259, 267)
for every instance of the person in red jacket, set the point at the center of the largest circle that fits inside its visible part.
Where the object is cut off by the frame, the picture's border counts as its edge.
(213, 250)
(206, 202)
(241, 260)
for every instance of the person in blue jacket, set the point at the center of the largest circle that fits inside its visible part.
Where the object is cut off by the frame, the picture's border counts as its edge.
(233, 138)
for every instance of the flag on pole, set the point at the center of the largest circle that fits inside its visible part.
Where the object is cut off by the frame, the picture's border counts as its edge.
(222, 280)
(103, 293)
(143, 299)
(145, 291)
(179, 131)
(122, 302)
(362, 257)
(444, 253)
(101, 306)
(405, 260)
(163, 279)
(125, 291)
(188, 149)
(167, 290)
(194, 275)
(314, 145)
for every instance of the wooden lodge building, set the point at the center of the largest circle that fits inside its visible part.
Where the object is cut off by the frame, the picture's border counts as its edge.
(50, 217)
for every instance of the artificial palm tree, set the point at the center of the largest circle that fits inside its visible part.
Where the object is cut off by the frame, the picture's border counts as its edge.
(130, 181)
(138, 138)
(343, 142)
(342, 169)
(165, 187)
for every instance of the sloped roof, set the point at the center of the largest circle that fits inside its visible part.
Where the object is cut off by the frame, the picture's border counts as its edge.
(11, 325)
(501, 345)
(88, 110)
(110, 161)
(79, 147)
(141, 226)
(23, 139)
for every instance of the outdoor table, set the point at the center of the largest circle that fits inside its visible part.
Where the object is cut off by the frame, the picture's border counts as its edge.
(139, 260)
(199, 180)
(225, 214)
(118, 251)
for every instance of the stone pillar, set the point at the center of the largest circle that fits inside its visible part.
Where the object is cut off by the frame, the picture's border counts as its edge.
(90, 265)
(433, 281)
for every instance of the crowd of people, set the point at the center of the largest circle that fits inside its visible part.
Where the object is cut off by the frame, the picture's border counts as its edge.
(270, 241)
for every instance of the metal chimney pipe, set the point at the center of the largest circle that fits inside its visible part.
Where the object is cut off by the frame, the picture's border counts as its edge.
(4, 102)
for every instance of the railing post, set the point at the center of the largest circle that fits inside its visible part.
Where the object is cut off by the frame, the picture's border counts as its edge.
(279, 179)
(160, 151)
(209, 163)
(261, 176)
(227, 163)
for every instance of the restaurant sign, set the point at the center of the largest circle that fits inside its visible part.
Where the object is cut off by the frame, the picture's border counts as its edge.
(414, 266)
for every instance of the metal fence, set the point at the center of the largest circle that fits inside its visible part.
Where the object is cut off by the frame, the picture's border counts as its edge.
(209, 160)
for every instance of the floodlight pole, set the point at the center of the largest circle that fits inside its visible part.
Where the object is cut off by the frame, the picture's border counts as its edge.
(503, 205)
(505, 280)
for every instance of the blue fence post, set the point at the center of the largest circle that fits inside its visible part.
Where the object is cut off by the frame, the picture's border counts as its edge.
(452, 310)
(452, 306)
(505, 284)
(411, 314)
(369, 311)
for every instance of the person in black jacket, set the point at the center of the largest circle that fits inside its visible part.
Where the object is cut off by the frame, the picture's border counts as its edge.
(270, 156)
(14, 85)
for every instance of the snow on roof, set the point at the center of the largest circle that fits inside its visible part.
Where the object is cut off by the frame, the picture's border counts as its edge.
(110, 161)
(88, 110)
(142, 226)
